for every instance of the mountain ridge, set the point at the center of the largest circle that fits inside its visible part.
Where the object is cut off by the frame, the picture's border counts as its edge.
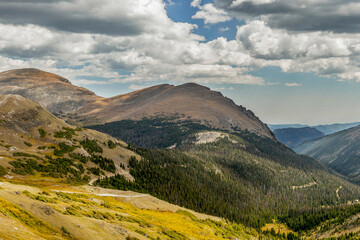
(292, 137)
(80, 106)
(339, 151)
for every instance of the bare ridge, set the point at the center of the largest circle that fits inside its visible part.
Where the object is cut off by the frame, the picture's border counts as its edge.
(80, 106)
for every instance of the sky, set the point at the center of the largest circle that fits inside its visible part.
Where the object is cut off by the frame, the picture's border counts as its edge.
(289, 61)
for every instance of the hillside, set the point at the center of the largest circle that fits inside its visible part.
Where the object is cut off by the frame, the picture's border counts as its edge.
(339, 151)
(40, 150)
(60, 211)
(243, 177)
(259, 180)
(53, 92)
(292, 137)
(82, 107)
(33, 141)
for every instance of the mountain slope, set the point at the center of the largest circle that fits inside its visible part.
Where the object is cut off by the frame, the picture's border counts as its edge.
(80, 106)
(50, 212)
(241, 176)
(337, 127)
(33, 141)
(292, 137)
(340, 151)
(53, 92)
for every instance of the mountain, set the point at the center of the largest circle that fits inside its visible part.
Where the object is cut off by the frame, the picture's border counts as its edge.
(81, 106)
(339, 151)
(240, 176)
(273, 127)
(326, 129)
(38, 149)
(53, 92)
(337, 127)
(292, 137)
(235, 172)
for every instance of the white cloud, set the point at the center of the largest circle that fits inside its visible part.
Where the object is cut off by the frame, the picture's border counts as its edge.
(293, 84)
(323, 53)
(89, 82)
(255, 2)
(209, 13)
(195, 3)
(170, 51)
(224, 29)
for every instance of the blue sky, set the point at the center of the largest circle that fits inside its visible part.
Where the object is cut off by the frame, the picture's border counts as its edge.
(267, 55)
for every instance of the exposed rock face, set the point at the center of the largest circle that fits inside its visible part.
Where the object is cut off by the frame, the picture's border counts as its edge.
(81, 106)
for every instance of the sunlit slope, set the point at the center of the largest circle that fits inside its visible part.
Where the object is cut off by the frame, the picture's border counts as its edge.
(34, 142)
(87, 213)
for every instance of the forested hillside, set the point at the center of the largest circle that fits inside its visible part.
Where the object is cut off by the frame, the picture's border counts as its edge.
(242, 177)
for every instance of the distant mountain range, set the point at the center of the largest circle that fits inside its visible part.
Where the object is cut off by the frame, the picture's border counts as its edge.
(292, 137)
(294, 134)
(340, 151)
(326, 129)
(274, 127)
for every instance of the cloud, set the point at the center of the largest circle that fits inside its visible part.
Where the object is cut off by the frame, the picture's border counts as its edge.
(209, 13)
(255, 2)
(155, 48)
(298, 15)
(293, 84)
(89, 82)
(323, 53)
(224, 29)
(123, 17)
(195, 3)
(170, 3)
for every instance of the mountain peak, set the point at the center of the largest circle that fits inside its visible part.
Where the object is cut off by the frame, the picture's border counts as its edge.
(35, 74)
(192, 85)
(52, 91)
(189, 101)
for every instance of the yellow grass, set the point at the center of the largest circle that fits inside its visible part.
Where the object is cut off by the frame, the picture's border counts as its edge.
(88, 216)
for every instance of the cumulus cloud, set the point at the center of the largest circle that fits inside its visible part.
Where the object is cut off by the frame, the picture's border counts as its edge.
(299, 15)
(170, 52)
(209, 13)
(324, 53)
(135, 41)
(124, 17)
